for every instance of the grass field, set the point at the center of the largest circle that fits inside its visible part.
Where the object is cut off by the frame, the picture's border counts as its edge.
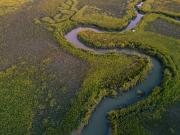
(105, 68)
(7, 6)
(149, 111)
(39, 80)
(163, 27)
(50, 87)
(116, 8)
(169, 122)
(169, 7)
(29, 89)
(154, 23)
(113, 14)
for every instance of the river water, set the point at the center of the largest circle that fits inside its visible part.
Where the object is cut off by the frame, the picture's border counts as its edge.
(98, 123)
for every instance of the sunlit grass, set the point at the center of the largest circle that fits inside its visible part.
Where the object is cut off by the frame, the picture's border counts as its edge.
(26, 92)
(170, 7)
(7, 6)
(108, 15)
(166, 46)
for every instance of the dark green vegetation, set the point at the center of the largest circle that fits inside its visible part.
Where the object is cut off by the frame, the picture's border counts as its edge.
(8, 6)
(140, 118)
(111, 14)
(26, 90)
(30, 90)
(169, 122)
(167, 7)
(116, 8)
(163, 27)
(39, 81)
(104, 71)
(47, 89)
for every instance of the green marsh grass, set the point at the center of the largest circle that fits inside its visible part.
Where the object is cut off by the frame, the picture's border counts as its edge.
(167, 7)
(113, 14)
(138, 119)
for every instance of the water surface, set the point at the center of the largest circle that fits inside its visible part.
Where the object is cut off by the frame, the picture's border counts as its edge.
(98, 123)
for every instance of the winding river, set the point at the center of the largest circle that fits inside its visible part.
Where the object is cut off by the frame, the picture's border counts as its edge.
(98, 123)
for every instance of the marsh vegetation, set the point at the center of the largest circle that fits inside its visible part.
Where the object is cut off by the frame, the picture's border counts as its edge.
(137, 118)
(167, 7)
(47, 86)
(113, 14)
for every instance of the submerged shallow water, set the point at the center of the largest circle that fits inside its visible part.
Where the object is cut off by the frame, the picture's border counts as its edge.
(98, 123)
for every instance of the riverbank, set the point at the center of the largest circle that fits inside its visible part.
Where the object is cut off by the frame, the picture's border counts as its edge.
(73, 38)
(166, 50)
(99, 115)
(58, 85)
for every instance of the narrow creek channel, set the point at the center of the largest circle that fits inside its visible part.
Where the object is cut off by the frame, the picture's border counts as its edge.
(98, 123)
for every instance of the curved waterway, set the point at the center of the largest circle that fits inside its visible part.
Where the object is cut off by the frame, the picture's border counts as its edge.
(98, 123)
